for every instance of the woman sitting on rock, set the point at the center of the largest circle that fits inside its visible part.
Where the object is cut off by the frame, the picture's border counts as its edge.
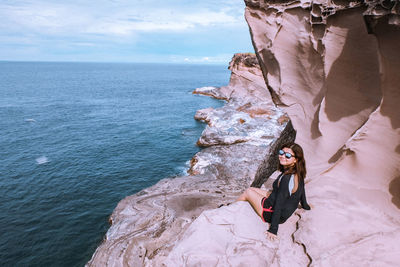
(288, 190)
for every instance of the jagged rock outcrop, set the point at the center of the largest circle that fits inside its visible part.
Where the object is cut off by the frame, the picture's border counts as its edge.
(333, 66)
(237, 135)
(249, 109)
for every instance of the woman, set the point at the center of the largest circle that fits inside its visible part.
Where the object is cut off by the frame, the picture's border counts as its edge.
(288, 190)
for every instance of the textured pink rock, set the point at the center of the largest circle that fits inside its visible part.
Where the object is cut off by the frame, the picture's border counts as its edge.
(248, 115)
(146, 227)
(333, 67)
(234, 236)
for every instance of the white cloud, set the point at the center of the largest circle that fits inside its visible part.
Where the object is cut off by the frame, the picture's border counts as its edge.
(109, 18)
(218, 59)
(210, 18)
(122, 30)
(125, 28)
(84, 44)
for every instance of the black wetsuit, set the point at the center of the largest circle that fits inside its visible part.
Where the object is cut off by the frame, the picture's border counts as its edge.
(281, 204)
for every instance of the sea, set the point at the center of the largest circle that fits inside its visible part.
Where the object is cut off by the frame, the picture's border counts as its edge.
(76, 138)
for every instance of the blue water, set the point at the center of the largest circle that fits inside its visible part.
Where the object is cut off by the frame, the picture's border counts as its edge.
(76, 138)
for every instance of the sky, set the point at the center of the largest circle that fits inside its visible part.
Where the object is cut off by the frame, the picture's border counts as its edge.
(167, 31)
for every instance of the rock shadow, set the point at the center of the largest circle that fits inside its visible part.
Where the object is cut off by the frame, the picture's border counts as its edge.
(388, 36)
(353, 82)
(394, 190)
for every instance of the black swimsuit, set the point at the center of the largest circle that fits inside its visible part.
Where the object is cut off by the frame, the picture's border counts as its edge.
(281, 204)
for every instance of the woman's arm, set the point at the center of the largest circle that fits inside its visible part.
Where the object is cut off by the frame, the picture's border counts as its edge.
(281, 198)
(303, 200)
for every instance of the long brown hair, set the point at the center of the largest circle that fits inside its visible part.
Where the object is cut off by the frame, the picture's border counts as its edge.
(300, 167)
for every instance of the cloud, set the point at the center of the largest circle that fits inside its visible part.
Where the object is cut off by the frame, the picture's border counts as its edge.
(196, 31)
(71, 18)
(84, 44)
(127, 28)
(210, 18)
(218, 59)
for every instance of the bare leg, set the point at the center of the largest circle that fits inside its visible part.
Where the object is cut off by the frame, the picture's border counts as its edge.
(262, 192)
(243, 196)
(254, 198)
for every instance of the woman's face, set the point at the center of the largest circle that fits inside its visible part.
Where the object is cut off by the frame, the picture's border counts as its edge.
(286, 157)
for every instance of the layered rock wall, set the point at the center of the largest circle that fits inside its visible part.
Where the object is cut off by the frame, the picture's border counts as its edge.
(333, 66)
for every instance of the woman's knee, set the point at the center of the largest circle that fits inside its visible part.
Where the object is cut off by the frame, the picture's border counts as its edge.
(248, 191)
(244, 195)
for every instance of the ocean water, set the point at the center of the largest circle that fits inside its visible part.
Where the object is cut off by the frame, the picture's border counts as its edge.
(76, 138)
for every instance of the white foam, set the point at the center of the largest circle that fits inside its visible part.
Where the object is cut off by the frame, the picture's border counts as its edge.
(30, 120)
(42, 160)
(182, 171)
(206, 88)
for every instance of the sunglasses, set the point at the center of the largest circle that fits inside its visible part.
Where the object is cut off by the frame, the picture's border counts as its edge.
(287, 154)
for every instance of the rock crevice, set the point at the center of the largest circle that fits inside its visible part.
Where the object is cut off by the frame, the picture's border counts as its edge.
(299, 242)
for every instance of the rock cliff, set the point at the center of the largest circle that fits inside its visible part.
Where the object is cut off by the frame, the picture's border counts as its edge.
(147, 227)
(333, 66)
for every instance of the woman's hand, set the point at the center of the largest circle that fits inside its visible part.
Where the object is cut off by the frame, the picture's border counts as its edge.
(271, 236)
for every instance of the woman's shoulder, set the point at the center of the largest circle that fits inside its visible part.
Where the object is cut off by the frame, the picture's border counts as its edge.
(288, 176)
(285, 178)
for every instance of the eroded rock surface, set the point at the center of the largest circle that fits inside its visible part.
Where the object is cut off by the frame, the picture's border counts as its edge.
(333, 67)
(249, 111)
(149, 226)
(234, 236)
(238, 135)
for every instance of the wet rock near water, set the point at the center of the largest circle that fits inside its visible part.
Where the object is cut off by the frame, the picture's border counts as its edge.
(147, 226)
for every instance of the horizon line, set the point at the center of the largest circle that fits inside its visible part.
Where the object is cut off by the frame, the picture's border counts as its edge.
(114, 62)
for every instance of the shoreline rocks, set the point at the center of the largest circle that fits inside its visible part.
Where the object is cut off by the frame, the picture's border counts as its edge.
(147, 226)
(333, 67)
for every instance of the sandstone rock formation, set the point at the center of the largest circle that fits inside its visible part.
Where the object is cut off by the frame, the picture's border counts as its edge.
(248, 111)
(234, 236)
(146, 227)
(333, 66)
